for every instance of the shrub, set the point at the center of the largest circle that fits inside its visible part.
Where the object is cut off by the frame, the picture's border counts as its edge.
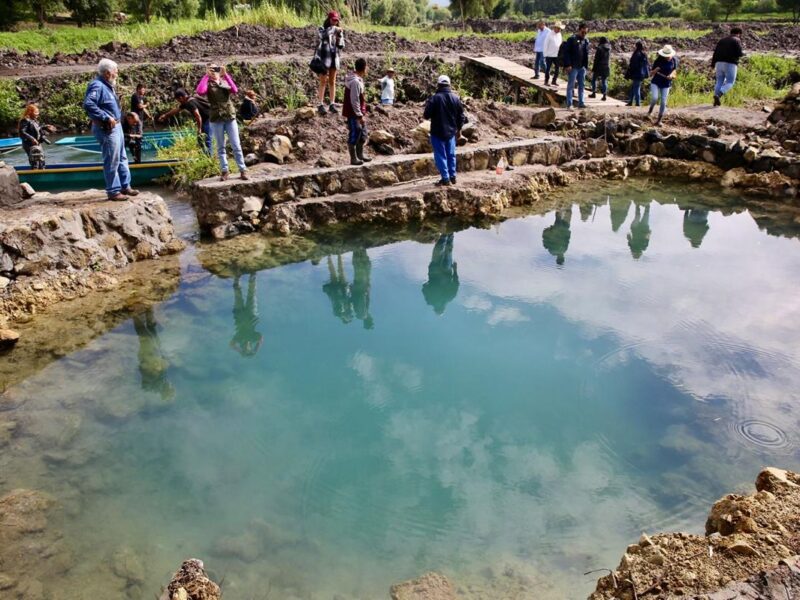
(10, 105)
(195, 163)
(693, 15)
(65, 105)
(661, 8)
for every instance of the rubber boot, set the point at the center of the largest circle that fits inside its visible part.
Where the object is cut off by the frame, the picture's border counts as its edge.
(360, 152)
(353, 155)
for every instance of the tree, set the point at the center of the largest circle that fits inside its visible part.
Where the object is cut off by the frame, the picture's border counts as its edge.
(10, 14)
(501, 9)
(729, 6)
(552, 7)
(141, 9)
(88, 11)
(172, 10)
(463, 9)
(793, 6)
(403, 13)
(381, 12)
(42, 9)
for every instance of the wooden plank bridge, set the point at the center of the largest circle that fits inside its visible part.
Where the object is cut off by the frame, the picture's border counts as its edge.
(523, 76)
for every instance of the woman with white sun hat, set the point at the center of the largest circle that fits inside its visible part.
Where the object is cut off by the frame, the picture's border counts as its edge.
(662, 72)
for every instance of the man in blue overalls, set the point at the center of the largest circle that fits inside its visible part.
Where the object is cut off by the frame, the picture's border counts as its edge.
(103, 108)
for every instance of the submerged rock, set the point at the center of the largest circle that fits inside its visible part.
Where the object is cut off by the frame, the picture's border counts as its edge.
(431, 586)
(191, 582)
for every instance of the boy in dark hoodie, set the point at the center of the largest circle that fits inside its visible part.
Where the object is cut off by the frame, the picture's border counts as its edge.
(355, 111)
(601, 68)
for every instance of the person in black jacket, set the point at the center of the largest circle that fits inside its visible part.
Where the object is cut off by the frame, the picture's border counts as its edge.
(446, 113)
(249, 109)
(576, 61)
(601, 68)
(726, 62)
(638, 71)
(32, 135)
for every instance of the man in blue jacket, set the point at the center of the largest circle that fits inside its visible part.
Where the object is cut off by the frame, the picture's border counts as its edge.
(102, 106)
(576, 61)
(446, 113)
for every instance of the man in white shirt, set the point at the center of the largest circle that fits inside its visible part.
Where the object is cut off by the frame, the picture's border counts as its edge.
(387, 88)
(538, 48)
(551, 47)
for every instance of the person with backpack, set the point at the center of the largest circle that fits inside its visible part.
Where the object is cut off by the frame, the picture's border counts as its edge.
(638, 71)
(552, 46)
(601, 67)
(576, 61)
(32, 135)
(199, 110)
(446, 113)
(326, 60)
(218, 86)
(664, 70)
(354, 110)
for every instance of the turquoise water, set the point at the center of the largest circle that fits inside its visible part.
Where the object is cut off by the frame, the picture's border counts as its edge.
(510, 405)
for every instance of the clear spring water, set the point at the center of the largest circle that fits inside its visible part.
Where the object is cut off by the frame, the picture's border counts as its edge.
(511, 405)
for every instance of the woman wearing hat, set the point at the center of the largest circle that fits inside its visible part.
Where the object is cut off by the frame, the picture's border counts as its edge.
(331, 43)
(663, 71)
(551, 46)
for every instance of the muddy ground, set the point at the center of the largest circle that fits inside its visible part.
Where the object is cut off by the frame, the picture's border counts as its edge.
(258, 41)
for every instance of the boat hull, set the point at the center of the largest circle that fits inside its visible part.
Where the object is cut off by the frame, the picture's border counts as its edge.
(84, 176)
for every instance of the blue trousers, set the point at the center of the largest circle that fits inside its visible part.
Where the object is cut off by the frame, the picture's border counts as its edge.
(444, 155)
(115, 161)
(538, 64)
(231, 128)
(574, 76)
(356, 131)
(636, 92)
(655, 93)
(726, 77)
(205, 141)
(603, 84)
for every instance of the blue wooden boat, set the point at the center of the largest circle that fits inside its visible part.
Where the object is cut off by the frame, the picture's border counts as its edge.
(78, 176)
(151, 141)
(9, 144)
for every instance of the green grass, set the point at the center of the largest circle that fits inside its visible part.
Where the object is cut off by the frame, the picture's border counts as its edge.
(70, 39)
(195, 163)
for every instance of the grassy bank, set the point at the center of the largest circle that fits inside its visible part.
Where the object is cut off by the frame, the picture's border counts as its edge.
(70, 39)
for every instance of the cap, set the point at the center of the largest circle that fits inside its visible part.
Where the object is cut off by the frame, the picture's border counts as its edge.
(443, 80)
(333, 15)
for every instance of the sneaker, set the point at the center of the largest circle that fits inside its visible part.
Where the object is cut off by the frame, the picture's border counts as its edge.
(592, 95)
(332, 108)
(321, 109)
(717, 101)
(129, 192)
(443, 182)
(570, 107)
(581, 105)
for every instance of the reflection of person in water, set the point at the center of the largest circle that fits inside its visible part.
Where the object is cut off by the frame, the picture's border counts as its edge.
(695, 226)
(556, 237)
(359, 291)
(619, 208)
(152, 364)
(639, 236)
(246, 340)
(442, 284)
(337, 290)
(586, 209)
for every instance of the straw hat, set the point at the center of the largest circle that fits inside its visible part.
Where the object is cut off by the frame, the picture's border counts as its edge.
(558, 24)
(667, 51)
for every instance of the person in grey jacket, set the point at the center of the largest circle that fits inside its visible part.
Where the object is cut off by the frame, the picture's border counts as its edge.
(331, 43)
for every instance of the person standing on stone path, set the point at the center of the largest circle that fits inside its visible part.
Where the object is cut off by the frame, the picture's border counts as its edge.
(387, 88)
(330, 46)
(664, 70)
(446, 113)
(638, 71)
(217, 86)
(601, 67)
(576, 61)
(538, 48)
(725, 62)
(354, 110)
(551, 47)
(102, 107)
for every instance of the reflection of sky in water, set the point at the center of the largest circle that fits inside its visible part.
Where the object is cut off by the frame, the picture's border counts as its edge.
(523, 399)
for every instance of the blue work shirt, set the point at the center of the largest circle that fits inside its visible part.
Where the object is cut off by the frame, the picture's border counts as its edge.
(100, 102)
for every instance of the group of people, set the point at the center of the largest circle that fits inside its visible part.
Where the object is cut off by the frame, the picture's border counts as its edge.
(572, 55)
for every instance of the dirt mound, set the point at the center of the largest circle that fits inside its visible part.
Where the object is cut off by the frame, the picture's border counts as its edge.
(744, 535)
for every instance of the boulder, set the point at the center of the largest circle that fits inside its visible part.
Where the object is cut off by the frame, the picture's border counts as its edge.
(637, 144)
(431, 586)
(381, 136)
(10, 191)
(421, 135)
(305, 113)
(8, 338)
(278, 149)
(470, 131)
(251, 159)
(596, 148)
(252, 205)
(27, 190)
(543, 118)
(772, 184)
(192, 578)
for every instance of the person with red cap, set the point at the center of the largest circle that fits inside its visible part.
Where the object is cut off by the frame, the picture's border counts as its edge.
(331, 44)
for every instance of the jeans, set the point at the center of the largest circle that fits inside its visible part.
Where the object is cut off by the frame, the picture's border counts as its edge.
(636, 92)
(115, 161)
(538, 64)
(387, 101)
(654, 96)
(444, 155)
(726, 77)
(357, 131)
(550, 62)
(603, 84)
(579, 76)
(205, 139)
(231, 128)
